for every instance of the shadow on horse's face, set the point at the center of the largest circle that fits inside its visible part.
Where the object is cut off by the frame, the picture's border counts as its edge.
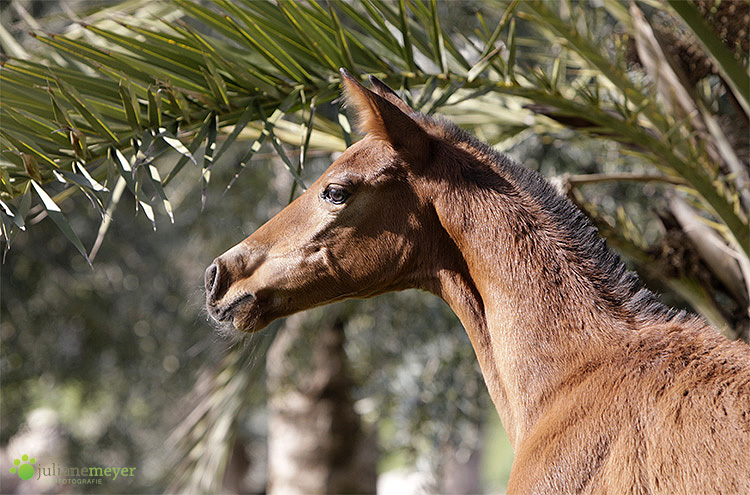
(353, 233)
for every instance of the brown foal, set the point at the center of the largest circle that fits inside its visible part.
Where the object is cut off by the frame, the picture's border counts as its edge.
(601, 388)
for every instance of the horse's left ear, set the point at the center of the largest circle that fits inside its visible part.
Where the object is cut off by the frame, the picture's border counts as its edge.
(382, 89)
(385, 115)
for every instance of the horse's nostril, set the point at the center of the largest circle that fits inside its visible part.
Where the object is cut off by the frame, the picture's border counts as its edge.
(212, 281)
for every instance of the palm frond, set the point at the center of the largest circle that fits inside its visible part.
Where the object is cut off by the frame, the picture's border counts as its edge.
(108, 99)
(203, 440)
(114, 97)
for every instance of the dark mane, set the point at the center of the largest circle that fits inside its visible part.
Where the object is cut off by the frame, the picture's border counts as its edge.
(599, 386)
(619, 286)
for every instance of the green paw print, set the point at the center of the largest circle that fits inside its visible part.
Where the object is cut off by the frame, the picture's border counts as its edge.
(26, 471)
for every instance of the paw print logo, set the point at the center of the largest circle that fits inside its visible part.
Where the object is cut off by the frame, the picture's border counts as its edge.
(26, 470)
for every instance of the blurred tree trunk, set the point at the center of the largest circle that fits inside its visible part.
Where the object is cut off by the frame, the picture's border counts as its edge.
(316, 442)
(461, 472)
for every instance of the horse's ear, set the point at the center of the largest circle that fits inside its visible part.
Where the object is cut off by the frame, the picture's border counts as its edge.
(380, 116)
(382, 89)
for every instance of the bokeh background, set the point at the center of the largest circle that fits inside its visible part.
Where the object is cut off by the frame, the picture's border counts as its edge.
(115, 362)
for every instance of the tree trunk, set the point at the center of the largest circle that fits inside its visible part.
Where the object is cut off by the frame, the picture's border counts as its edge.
(316, 442)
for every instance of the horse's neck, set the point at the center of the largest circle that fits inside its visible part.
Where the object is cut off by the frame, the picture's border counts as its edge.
(530, 312)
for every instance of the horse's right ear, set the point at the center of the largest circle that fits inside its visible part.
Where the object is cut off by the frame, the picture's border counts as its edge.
(383, 117)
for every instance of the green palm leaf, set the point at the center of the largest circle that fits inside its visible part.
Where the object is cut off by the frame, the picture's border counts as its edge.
(100, 112)
(152, 75)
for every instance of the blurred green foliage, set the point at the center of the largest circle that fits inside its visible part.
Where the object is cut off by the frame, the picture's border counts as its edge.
(115, 350)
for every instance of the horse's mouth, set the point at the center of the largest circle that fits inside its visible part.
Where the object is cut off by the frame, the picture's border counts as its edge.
(231, 310)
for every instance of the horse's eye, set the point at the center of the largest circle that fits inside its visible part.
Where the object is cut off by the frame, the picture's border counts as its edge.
(335, 194)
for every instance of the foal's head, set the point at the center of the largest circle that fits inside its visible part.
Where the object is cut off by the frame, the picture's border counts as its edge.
(358, 231)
